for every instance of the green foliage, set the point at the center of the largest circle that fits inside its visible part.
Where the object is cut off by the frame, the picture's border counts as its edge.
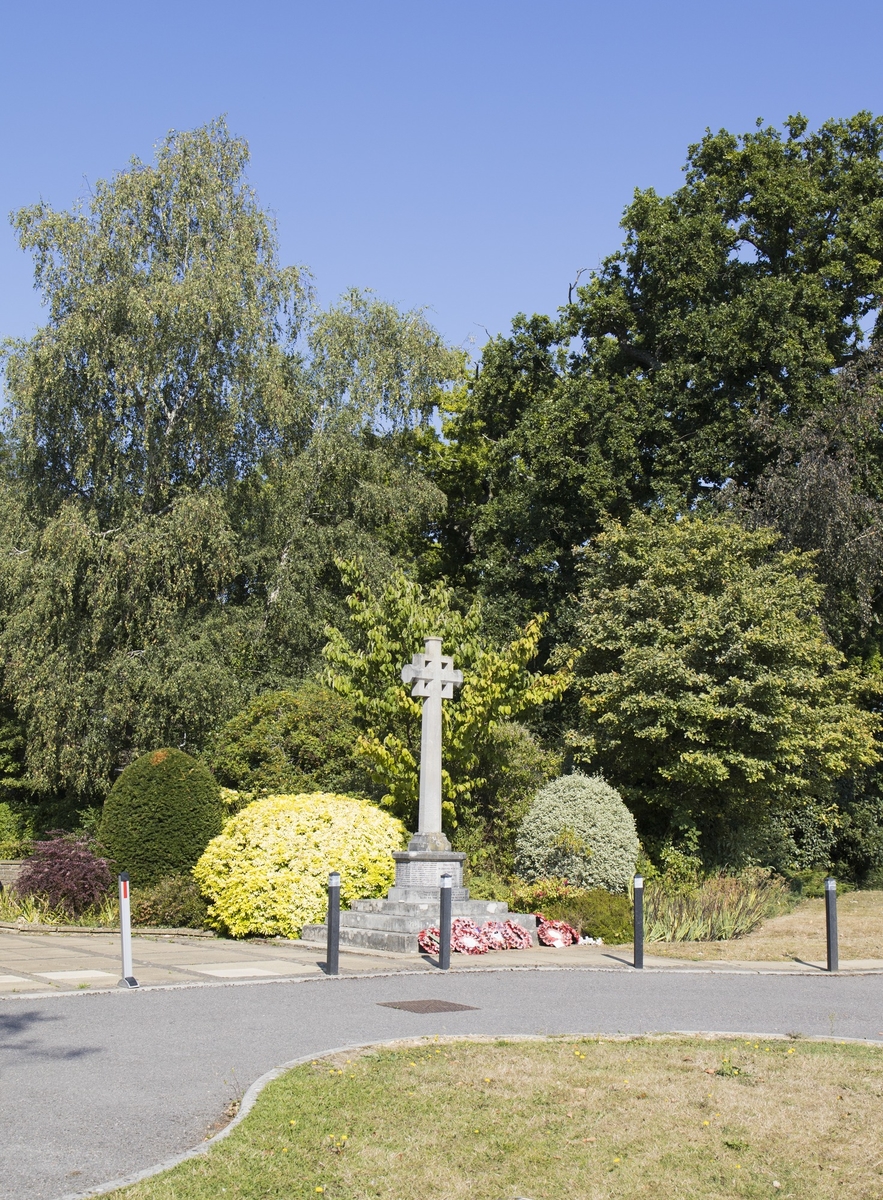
(301, 741)
(377, 365)
(514, 766)
(131, 392)
(708, 689)
(717, 908)
(386, 628)
(743, 291)
(824, 493)
(173, 902)
(579, 828)
(720, 324)
(15, 833)
(595, 912)
(160, 816)
(121, 641)
(177, 485)
(267, 872)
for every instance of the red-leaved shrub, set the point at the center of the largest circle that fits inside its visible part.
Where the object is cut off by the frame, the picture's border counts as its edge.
(64, 870)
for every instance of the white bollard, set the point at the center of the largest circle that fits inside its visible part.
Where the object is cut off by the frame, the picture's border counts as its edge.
(128, 980)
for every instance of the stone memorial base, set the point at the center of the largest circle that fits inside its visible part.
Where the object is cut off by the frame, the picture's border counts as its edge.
(412, 903)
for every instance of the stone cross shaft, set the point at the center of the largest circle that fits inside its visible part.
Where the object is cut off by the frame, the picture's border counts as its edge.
(434, 680)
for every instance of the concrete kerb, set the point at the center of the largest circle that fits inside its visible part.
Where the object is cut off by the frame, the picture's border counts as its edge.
(250, 1097)
(812, 973)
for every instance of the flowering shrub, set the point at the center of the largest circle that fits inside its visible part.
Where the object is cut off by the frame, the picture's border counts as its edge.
(66, 873)
(578, 827)
(267, 871)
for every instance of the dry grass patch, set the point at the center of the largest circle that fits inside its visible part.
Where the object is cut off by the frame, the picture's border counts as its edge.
(577, 1117)
(799, 934)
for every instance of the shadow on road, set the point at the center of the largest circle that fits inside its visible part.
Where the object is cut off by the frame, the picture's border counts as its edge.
(20, 1036)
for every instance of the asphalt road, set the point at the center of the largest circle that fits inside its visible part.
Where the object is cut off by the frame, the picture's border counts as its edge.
(94, 1087)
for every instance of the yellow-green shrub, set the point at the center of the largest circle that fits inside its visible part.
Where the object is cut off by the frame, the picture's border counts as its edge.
(267, 871)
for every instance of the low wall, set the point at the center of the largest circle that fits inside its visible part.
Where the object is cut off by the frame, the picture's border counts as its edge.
(10, 869)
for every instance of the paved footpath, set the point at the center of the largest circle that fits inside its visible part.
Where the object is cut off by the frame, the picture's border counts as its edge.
(34, 962)
(96, 1085)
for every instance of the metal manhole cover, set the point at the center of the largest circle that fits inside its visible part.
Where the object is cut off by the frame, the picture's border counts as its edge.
(427, 1006)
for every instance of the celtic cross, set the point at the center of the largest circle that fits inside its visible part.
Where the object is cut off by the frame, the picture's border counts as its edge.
(434, 680)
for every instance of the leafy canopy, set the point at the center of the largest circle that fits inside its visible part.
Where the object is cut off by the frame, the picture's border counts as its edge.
(387, 627)
(179, 475)
(164, 352)
(708, 690)
(289, 742)
(680, 363)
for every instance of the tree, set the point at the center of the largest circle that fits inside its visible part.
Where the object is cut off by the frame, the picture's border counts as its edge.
(179, 476)
(364, 663)
(165, 349)
(709, 693)
(743, 292)
(734, 301)
(289, 742)
(823, 493)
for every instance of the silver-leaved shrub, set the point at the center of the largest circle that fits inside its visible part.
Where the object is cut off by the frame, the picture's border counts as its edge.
(578, 828)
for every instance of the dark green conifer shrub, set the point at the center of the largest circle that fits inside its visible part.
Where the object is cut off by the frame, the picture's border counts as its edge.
(160, 815)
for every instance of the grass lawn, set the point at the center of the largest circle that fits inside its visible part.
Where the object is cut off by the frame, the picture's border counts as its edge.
(579, 1118)
(797, 934)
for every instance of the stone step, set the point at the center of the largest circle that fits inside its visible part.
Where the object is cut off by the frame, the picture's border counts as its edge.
(366, 939)
(397, 932)
(396, 922)
(487, 910)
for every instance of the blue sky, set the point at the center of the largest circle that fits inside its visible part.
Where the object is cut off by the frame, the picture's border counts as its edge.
(464, 157)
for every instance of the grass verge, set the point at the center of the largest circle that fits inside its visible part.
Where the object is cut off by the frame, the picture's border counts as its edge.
(799, 934)
(576, 1117)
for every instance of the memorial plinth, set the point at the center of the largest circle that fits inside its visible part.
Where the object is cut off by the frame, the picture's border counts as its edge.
(413, 902)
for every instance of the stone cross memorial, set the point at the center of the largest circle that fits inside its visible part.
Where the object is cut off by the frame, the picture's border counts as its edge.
(434, 680)
(413, 902)
(429, 855)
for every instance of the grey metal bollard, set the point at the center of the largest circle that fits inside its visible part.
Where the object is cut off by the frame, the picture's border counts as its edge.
(128, 980)
(831, 923)
(332, 954)
(444, 923)
(639, 922)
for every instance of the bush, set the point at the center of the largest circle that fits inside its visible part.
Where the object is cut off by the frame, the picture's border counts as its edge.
(512, 765)
(578, 827)
(596, 913)
(267, 873)
(173, 903)
(708, 687)
(65, 872)
(720, 907)
(290, 742)
(15, 832)
(160, 815)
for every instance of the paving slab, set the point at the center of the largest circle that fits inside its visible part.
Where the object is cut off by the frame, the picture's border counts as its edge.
(33, 962)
